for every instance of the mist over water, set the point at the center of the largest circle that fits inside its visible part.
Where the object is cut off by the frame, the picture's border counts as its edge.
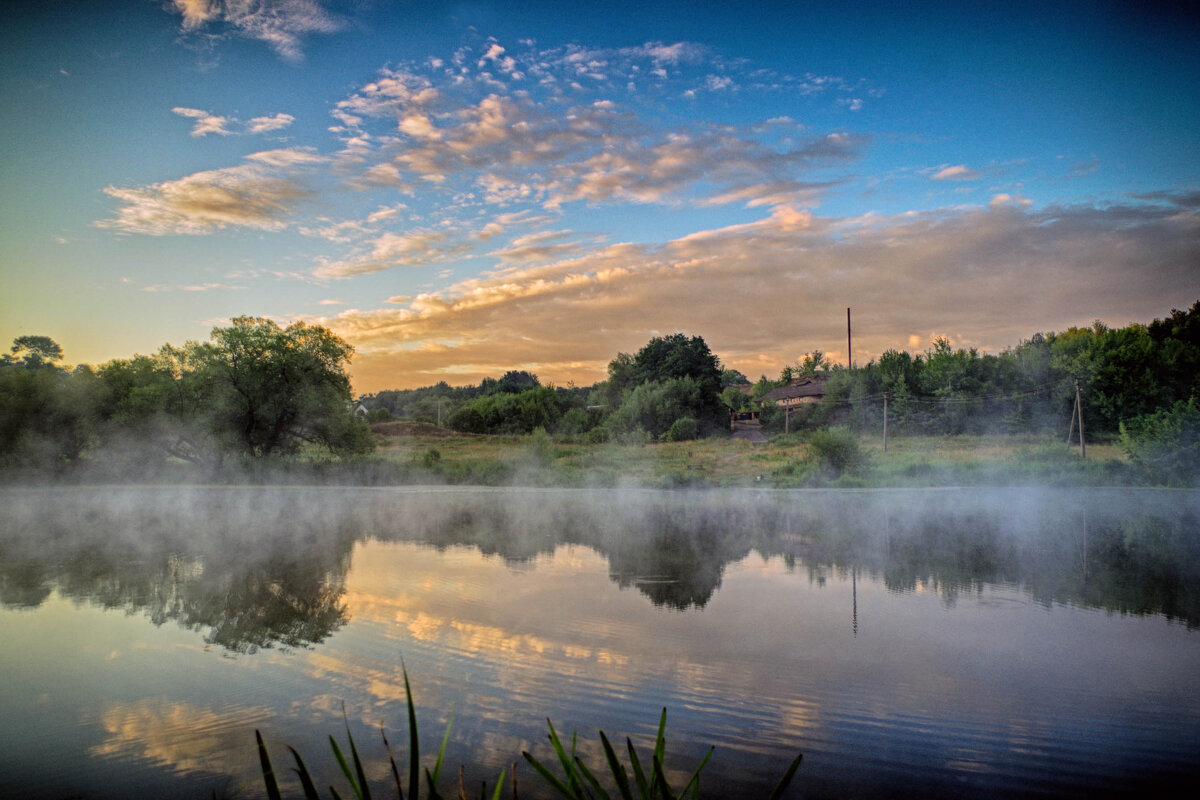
(954, 641)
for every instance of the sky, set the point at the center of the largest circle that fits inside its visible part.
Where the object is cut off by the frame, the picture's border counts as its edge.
(463, 188)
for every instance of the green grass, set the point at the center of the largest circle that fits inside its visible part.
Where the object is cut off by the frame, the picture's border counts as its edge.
(642, 780)
(356, 777)
(786, 461)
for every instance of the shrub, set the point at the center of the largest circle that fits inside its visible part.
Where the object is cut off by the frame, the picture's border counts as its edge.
(682, 430)
(430, 458)
(836, 450)
(1166, 442)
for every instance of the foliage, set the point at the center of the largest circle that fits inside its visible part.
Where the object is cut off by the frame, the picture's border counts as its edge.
(508, 413)
(683, 429)
(644, 781)
(272, 388)
(836, 450)
(32, 352)
(379, 415)
(732, 377)
(813, 363)
(654, 406)
(46, 413)
(1167, 442)
(669, 378)
(357, 777)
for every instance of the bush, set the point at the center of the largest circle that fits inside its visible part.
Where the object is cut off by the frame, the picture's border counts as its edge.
(682, 430)
(430, 459)
(836, 450)
(1166, 443)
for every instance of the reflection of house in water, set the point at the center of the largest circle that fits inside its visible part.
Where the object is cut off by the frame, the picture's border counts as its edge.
(798, 392)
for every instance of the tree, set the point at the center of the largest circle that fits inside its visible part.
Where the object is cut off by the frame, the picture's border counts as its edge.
(512, 382)
(46, 413)
(673, 358)
(33, 352)
(812, 363)
(271, 388)
(732, 377)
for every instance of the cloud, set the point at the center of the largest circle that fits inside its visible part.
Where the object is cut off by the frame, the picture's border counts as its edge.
(270, 124)
(390, 250)
(957, 172)
(1004, 199)
(281, 24)
(206, 122)
(1003, 273)
(249, 196)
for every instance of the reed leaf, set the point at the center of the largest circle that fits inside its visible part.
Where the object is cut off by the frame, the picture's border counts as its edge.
(414, 750)
(639, 775)
(499, 788)
(781, 787)
(616, 768)
(363, 789)
(392, 762)
(591, 779)
(437, 766)
(548, 776)
(306, 781)
(660, 779)
(432, 783)
(694, 781)
(267, 771)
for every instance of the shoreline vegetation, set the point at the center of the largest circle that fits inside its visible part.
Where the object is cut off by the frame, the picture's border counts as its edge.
(260, 403)
(413, 453)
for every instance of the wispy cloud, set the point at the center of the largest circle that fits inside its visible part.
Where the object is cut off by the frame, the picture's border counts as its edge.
(208, 123)
(205, 122)
(281, 24)
(261, 193)
(957, 172)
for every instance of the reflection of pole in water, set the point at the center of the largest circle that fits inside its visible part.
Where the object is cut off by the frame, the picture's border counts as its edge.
(1085, 545)
(854, 597)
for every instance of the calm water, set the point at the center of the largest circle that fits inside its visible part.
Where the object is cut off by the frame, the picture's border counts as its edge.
(910, 643)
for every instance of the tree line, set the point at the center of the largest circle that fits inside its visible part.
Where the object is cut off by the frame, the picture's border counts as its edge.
(1123, 373)
(256, 389)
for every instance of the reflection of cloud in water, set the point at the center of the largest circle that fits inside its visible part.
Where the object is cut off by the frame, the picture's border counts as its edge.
(179, 736)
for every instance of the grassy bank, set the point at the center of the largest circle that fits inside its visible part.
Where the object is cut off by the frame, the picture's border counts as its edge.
(424, 452)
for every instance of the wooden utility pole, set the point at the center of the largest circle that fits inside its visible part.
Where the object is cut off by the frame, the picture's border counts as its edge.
(1079, 405)
(885, 422)
(849, 349)
(1074, 416)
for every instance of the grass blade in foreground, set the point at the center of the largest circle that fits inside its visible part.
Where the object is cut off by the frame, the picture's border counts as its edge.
(268, 772)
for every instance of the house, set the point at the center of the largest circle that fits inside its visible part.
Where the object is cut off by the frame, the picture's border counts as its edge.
(798, 392)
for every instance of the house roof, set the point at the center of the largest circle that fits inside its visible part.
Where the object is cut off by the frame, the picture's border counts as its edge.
(802, 387)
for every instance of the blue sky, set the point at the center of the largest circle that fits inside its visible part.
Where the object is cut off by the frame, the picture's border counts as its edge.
(459, 189)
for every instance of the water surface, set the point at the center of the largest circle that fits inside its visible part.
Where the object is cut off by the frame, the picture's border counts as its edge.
(931, 643)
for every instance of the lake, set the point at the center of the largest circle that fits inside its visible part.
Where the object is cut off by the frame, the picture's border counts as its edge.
(932, 643)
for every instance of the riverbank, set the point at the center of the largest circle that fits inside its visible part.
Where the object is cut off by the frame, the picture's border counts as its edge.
(783, 461)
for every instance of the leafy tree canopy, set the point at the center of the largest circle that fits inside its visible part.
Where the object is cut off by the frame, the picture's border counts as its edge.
(33, 352)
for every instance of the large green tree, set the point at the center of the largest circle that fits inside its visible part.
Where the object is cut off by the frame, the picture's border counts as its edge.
(671, 377)
(273, 388)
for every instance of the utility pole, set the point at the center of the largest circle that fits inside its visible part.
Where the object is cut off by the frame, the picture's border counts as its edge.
(885, 422)
(849, 349)
(1079, 405)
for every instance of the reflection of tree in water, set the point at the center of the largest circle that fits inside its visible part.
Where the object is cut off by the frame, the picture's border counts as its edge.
(246, 575)
(256, 568)
(1134, 557)
(676, 560)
